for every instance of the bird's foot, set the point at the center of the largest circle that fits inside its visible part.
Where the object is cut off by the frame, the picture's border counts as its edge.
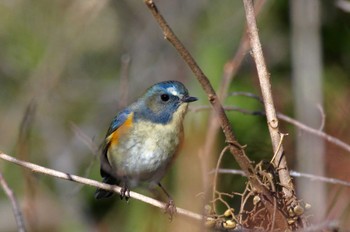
(170, 209)
(125, 193)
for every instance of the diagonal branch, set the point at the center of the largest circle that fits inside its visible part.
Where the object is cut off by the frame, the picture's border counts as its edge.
(94, 183)
(15, 206)
(235, 148)
(230, 70)
(308, 176)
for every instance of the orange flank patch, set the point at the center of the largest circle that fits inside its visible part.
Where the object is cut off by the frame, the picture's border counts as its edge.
(114, 137)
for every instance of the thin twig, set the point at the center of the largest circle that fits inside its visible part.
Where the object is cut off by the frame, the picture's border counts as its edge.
(278, 148)
(265, 85)
(85, 139)
(247, 94)
(15, 206)
(283, 117)
(317, 132)
(216, 175)
(294, 122)
(320, 178)
(292, 173)
(323, 117)
(23, 152)
(92, 147)
(94, 183)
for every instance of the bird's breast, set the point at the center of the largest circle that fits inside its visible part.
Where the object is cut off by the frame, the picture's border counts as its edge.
(146, 150)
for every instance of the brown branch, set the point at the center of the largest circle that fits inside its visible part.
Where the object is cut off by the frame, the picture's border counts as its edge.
(15, 206)
(329, 138)
(313, 131)
(235, 148)
(230, 70)
(311, 177)
(265, 85)
(94, 183)
(283, 117)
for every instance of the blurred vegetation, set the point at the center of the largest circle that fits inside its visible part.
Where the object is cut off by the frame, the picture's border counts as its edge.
(65, 58)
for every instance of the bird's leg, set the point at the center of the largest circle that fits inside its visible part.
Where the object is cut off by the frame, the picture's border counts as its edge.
(170, 207)
(125, 192)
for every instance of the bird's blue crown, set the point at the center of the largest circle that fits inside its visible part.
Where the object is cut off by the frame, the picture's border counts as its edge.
(160, 102)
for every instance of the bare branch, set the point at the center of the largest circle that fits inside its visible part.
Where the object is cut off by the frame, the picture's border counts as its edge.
(235, 147)
(283, 117)
(94, 183)
(230, 69)
(323, 116)
(317, 132)
(216, 175)
(265, 85)
(15, 206)
(311, 177)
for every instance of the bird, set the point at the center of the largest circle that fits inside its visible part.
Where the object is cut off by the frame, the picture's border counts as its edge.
(143, 140)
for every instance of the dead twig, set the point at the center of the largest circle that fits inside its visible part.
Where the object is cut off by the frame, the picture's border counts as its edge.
(265, 85)
(311, 177)
(94, 183)
(230, 70)
(283, 117)
(15, 206)
(235, 148)
(216, 175)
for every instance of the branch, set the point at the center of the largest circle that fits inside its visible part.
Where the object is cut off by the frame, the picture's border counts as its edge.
(94, 183)
(15, 206)
(265, 85)
(292, 173)
(235, 148)
(230, 69)
(311, 130)
(283, 117)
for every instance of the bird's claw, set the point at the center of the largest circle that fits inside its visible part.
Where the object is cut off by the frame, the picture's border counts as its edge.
(125, 193)
(170, 209)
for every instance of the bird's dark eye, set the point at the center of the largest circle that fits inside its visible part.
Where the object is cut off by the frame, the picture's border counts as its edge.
(164, 97)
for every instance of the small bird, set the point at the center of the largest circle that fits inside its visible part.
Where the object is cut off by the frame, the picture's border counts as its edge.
(143, 139)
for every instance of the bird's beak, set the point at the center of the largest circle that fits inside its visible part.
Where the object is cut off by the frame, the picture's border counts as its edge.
(189, 99)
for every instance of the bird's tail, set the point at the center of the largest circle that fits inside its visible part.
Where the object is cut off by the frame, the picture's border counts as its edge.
(101, 193)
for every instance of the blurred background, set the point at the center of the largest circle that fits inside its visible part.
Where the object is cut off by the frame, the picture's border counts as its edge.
(68, 66)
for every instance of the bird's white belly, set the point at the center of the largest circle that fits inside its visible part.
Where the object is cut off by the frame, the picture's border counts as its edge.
(146, 152)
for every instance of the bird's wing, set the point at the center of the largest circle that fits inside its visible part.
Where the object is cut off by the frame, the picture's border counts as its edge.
(120, 124)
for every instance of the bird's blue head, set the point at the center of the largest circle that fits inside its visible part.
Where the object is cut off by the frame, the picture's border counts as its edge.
(162, 102)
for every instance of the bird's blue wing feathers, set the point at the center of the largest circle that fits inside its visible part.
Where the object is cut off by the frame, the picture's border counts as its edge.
(118, 121)
(105, 165)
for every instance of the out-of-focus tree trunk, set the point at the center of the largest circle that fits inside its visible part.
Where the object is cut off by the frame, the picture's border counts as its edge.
(307, 83)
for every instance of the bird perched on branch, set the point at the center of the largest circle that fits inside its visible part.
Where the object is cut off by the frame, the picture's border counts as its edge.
(143, 139)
